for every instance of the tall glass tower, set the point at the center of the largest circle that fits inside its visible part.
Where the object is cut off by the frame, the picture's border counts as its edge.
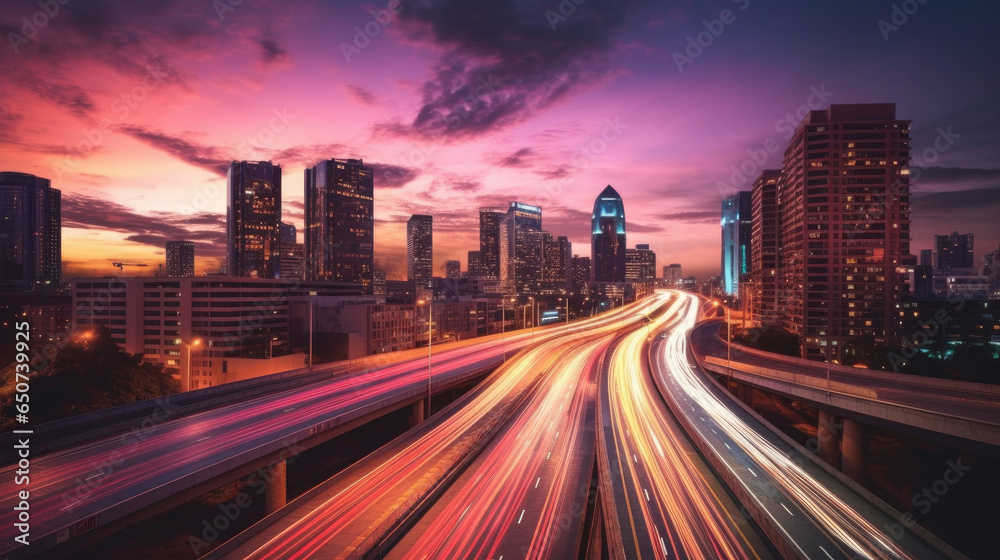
(254, 218)
(607, 237)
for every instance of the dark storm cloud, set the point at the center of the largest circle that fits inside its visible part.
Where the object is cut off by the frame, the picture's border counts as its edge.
(504, 61)
(388, 176)
(68, 97)
(93, 213)
(271, 51)
(706, 217)
(361, 95)
(206, 157)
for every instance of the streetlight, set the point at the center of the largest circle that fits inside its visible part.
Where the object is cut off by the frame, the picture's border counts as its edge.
(729, 341)
(270, 353)
(430, 328)
(533, 310)
(503, 326)
(189, 346)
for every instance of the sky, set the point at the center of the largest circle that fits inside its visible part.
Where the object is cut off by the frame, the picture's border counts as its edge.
(135, 108)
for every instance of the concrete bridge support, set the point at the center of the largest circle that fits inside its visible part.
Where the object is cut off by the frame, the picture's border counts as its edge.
(275, 493)
(417, 413)
(853, 450)
(828, 434)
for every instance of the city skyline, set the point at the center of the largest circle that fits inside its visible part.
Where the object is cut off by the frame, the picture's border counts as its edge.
(138, 143)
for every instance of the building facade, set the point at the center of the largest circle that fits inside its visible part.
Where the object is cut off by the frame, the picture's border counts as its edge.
(673, 274)
(607, 239)
(452, 269)
(640, 264)
(736, 241)
(490, 225)
(30, 232)
(420, 250)
(844, 211)
(764, 249)
(955, 251)
(521, 245)
(340, 222)
(180, 259)
(253, 219)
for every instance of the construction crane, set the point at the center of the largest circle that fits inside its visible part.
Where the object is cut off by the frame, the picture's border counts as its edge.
(121, 266)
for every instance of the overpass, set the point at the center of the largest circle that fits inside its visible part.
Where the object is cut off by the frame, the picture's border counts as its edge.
(954, 413)
(84, 493)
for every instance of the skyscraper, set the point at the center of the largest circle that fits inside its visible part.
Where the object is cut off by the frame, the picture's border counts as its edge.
(452, 269)
(340, 222)
(420, 250)
(955, 251)
(521, 249)
(180, 259)
(286, 233)
(475, 264)
(764, 248)
(844, 211)
(490, 222)
(580, 274)
(254, 218)
(607, 239)
(30, 232)
(640, 264)
(735, 241)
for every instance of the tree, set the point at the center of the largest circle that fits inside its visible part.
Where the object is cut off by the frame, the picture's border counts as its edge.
(90, 373)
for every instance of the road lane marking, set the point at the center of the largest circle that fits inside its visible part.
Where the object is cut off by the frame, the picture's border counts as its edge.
(634, 458)
(521, 517)
(647, 494)
(289, 409)
(751, 471)
(547, 456)
(786, 509)
(825, 552)
(727, 446)
(537, 481)
(203, 439)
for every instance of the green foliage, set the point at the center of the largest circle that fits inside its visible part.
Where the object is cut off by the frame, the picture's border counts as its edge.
(767, 339)
(90, 373)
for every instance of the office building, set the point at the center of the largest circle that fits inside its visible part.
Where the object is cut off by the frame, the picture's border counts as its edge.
(253, 219)
(673, 274)
(580, 274)
(340, 222)
(420, 250)
(180, 259)
(475, 264)
(556, 268)
(844, 211)
(640, 264)
(293, 262)
(736, 239)
(30, 232)
(452, 269)
(521, 249)
(955, 251)
(490, 224)
(763, 301)
(286, 233)
(607, 239)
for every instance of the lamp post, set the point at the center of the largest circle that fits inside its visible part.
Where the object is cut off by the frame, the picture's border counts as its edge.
(187, 368)
(729, 342)
(270, 353)
(430, 330)
(533, 311)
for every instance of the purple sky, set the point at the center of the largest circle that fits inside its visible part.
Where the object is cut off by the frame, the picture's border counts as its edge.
(133, 109)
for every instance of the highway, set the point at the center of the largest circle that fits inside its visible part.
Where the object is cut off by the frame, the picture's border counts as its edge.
(531, 416)
(108, 479)
(817, 515)
(665, 503)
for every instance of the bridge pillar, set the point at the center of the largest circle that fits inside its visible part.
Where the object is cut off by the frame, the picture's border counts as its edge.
(417, 413)
(827, 433)
(274, 493)
(853, 452)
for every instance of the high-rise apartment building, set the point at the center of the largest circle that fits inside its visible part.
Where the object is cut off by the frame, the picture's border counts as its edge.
(736, 241)
(673, 275)
(340, 222)
(955, 251)
(490, 225)
(521, 249)
(607, 239)
(420, 250)
(253, 220)
(844, 211)
(764, 248)
(30, 232)
(180, 259)
(640, 264)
